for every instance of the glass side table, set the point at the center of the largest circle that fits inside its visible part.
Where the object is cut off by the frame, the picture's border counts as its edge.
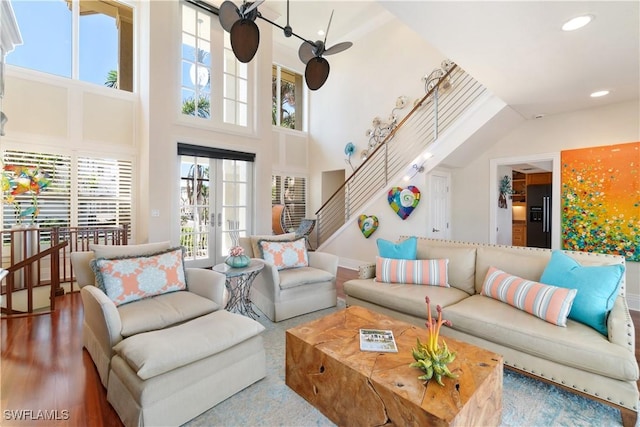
(239, 284)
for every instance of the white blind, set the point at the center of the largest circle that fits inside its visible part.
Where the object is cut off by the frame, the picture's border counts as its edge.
(53, 201)
(104, 192)
(99, 190)
(290, 191)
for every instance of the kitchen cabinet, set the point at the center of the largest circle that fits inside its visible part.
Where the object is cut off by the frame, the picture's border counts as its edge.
(519, 234)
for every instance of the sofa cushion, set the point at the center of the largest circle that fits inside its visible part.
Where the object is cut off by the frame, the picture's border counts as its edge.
(408, 299)
(577, 345)
(129, 279)
(162, 311)
(255, 247)
(597, 286)
(546, 302)
(406, 249)
(153, 353)
(285, 254)
(462, 263)
(294, 277)
(114, 251)
(528, 263)
(415, 272)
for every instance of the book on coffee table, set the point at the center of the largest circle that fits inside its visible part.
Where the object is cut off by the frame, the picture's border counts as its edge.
(377, 340)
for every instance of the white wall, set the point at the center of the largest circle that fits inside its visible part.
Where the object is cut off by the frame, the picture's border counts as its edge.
(166, 126)
(364, 82)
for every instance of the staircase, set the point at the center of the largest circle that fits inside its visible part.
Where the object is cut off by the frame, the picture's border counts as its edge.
(452, 95)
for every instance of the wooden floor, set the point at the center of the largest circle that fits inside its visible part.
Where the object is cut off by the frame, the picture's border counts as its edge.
(49, 379)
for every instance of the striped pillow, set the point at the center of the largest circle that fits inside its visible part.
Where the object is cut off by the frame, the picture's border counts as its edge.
(414, 272)
(549, 303)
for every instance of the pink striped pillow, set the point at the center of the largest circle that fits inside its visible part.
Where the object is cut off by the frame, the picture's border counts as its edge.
(414, 272)
(549, 303)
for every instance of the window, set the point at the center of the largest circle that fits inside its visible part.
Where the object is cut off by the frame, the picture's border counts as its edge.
(290, 191)
(82, 191)
(214, 84)
(103, 46)
(287, 98)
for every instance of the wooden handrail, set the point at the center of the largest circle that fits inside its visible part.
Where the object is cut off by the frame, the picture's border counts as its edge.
(54, 251)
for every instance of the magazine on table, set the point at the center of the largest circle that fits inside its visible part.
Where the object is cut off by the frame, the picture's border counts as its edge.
(377, 340)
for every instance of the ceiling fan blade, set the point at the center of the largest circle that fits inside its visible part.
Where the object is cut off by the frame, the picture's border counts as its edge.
(316, 72)
(251, 7)
(338, 48)
(228, 15)
(306, 52)
(326, 33)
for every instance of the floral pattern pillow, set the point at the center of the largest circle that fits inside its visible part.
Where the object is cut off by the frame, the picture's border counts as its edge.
(285, 254)
(129, 279)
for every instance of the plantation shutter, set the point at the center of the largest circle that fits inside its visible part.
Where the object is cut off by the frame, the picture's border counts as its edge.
(53, 201)
(104, 192)
(290, 191)
(82, 191)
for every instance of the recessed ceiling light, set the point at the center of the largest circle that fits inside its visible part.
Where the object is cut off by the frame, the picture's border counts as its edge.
(577, 22)
(321, 32)
(599, 93)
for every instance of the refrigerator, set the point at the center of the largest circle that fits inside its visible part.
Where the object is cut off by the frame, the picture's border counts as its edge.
(539, 216)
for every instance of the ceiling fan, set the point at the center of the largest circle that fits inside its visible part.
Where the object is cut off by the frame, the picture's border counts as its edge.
(310, 53)
(240, 24)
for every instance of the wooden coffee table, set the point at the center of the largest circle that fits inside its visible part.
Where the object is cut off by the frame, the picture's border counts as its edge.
(324, 365)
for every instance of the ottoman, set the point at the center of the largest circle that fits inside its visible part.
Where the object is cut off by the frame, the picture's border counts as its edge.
(169, 376)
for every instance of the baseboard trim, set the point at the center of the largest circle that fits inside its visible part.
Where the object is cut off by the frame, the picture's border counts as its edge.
(351, 264)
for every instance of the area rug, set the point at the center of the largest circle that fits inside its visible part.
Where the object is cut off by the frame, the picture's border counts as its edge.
(270, 402)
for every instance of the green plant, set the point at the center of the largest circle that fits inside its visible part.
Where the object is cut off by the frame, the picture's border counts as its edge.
(432, 358)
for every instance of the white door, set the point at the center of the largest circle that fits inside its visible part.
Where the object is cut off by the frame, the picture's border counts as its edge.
(439, 202)
(214, 207)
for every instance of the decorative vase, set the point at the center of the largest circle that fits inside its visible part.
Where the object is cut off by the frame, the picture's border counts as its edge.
(237, 261)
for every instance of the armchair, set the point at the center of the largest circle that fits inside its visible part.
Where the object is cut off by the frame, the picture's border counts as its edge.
(282, 294)
(164, 359)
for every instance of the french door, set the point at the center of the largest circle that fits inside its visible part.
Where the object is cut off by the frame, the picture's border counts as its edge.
(215, 197)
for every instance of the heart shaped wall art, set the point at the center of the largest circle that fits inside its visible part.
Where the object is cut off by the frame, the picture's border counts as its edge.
(368, 224)
(404, 200)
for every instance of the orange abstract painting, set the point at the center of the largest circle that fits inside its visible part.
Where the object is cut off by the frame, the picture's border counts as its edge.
(601, 200)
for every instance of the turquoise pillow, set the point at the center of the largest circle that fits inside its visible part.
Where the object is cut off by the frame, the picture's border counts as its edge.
(407, 249)
(598, 288)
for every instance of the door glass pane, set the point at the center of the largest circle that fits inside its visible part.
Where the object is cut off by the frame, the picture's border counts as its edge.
(194, 207)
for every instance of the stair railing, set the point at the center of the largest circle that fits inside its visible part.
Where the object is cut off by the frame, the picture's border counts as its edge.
(443, 103)
(29, 282)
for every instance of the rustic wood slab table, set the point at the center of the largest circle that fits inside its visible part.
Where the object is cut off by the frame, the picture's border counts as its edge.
(324, 364)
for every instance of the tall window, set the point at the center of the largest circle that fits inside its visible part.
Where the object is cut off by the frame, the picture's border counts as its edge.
(81, 191)
(214, 84)
(101, 53)
(287, 91)
(196, 62)
(290, 191)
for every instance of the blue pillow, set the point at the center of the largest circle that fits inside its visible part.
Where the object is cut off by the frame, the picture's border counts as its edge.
(598, 288)
(407, 249)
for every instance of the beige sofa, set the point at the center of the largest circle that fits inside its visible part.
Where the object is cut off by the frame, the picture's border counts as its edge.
(167, 358)
(282, 294)
(576, 357)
